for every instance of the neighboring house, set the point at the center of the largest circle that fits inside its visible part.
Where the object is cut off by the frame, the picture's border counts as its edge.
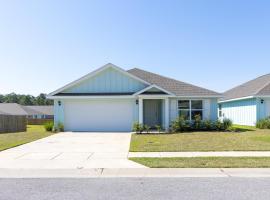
(39, 112)
(12, 109)
(247, 103)
(112, 99)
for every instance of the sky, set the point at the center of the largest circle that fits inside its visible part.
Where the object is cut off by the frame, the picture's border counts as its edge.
(216, 44)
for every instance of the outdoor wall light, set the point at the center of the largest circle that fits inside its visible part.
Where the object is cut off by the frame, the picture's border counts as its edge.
(59, 103)
(262, 101)
(137, 101)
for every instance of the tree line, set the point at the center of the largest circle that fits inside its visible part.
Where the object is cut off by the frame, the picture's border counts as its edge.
(28, 100)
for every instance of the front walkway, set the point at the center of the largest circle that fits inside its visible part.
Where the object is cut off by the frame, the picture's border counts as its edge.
(71, 151)
(199, 154)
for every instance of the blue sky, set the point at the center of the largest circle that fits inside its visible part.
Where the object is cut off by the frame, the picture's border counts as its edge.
(214, 44)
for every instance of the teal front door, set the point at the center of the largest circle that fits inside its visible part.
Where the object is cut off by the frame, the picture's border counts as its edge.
(152, 112)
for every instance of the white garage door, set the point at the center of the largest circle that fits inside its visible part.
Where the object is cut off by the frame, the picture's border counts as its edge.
(98, 115)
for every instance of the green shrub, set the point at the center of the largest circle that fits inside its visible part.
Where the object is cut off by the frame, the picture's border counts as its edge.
(197, 123)
(58, 128)
(180, 125)
(207, 125)
(137, 127)
(218, 125)
(159, 128)
(146, 128)
(227, 124)
(48, 126)
(263, 123)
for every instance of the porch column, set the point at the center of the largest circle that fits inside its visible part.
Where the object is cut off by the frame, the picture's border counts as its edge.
(140, 110)
(167, 115)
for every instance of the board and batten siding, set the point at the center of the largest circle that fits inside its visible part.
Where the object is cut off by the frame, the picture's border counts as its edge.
(108, 81)
(242, 112)
(263, 108)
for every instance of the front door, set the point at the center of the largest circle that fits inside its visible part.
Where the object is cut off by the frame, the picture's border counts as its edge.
(152, 112)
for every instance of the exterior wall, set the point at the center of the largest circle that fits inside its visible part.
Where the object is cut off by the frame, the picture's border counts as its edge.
(209, 108)
(108, 81)
(242, 112)
(263, 108)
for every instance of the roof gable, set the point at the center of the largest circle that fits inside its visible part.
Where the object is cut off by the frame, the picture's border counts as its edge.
(107, 79)
(177, 88)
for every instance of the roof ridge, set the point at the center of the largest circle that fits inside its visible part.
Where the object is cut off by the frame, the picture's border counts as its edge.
(173, 79)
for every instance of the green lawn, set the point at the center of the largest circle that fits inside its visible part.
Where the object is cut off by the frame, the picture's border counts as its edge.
(206, 162)
(249, 139)
(34, 132)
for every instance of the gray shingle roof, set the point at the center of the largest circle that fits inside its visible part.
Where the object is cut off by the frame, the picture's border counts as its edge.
(176, 87)
(39, 110)
(12, 109)
(256, 87)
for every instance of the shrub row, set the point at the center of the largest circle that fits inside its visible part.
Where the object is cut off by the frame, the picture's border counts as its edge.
(181, 125)
(139, 128)
(49, 126)
(263, 123)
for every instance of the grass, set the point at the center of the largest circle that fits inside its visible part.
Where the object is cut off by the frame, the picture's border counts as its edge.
(34, 132)
(205, 162)
(249, 139)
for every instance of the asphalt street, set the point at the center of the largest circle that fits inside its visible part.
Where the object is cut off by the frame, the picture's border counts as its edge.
(135, 188)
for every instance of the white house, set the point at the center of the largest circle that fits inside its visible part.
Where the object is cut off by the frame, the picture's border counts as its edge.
(112, 99)
(247, 103)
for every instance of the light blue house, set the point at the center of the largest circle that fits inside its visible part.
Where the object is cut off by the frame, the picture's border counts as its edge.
(112, 99)
(247, 103)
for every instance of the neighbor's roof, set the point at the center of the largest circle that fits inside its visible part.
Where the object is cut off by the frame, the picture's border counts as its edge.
(39, 110)
(256, 87)
(12, 109)
(176, 87)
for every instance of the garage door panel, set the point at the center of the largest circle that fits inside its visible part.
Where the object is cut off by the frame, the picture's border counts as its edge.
(99, 115)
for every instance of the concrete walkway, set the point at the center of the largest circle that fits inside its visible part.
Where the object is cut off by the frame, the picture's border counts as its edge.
(200, 154)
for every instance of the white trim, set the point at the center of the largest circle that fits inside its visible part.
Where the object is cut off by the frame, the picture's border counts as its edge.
(205, 97)
(167, 114)
(155, 96)
(141, 111)
(92, 97)
(263, 96)
(237, 99)
(93, 73)
(153, 86)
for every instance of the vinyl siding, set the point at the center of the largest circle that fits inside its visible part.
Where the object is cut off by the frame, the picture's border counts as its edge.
(108, 81)
(242, 112)
(263, 109)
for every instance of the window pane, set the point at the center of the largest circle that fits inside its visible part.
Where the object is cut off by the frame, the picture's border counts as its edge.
(196, 104)
(183, 104)
(197, 112)
(184, 113)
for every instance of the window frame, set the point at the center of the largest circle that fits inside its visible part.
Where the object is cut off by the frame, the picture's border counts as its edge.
(190, 107)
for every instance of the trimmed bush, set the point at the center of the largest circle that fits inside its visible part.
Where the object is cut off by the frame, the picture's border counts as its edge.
(263, 123)
(137, 127)
(48, 126)
(182, 125)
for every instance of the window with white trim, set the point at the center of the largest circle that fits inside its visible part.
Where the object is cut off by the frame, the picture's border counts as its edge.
(190, 108)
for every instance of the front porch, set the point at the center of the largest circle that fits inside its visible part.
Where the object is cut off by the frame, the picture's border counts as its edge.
(154, 111)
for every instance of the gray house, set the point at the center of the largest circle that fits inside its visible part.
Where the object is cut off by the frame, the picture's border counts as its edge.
(247, 103)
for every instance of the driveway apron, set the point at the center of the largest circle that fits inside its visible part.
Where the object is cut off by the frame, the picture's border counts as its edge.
(71, 150)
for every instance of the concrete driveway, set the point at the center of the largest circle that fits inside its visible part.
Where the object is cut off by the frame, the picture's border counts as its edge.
(71, 151)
